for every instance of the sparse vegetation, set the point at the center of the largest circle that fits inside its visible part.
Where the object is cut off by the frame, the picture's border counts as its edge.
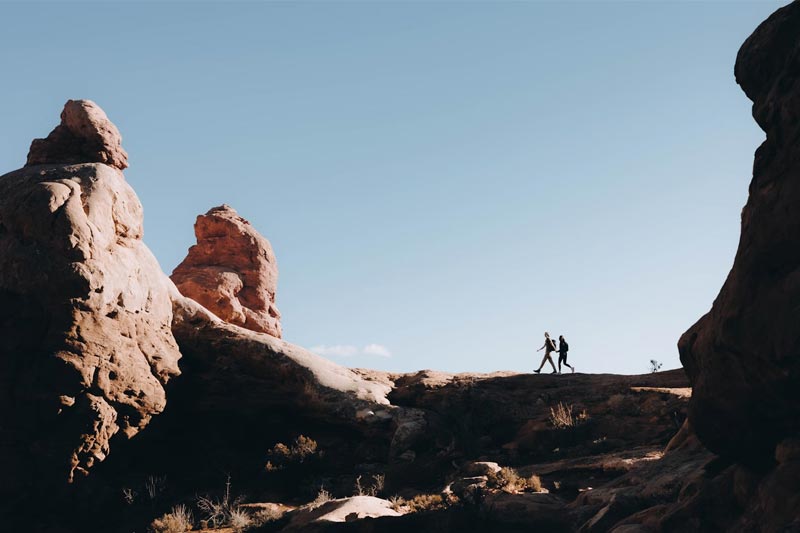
(129, 495)
(655, 366)
(397, 502)
(176, 521)
(282, 455)
(218, 512)
(376, 488)
(426, 502)
(534, 483)
(240, 520)
(562, 417)
(323, 496)
(508, 480)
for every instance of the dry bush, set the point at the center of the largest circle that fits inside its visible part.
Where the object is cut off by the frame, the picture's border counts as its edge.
(240, 520)
(426, 502)
(534, 483)
(282, 455)
(561, 417)
(176, 521)
(508, 480)
(218, 512)
(323, 496)
(397, 502)
(376, 488)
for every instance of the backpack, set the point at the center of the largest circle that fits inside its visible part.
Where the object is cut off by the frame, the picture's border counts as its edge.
(551, 344)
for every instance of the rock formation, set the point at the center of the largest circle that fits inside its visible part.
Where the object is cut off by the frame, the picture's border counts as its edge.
(743, 357)
(232, 271)
(85, 135)
(85, 311)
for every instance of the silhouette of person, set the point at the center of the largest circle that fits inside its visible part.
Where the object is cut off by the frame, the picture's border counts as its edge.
(548, 347)
(563, 348)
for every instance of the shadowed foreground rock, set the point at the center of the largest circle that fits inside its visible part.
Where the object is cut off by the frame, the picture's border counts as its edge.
(743, 357)
(86, 344)
(232, 271)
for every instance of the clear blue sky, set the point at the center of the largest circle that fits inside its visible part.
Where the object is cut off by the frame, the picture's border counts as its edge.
(445, 180)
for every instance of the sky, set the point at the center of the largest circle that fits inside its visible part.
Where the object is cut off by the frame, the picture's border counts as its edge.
(441, 182)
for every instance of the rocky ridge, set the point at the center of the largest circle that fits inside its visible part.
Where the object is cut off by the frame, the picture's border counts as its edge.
(93, 333)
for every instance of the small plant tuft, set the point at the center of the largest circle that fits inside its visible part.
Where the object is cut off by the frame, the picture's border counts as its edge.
(240, 520)
(397, 502)
(323, 496)
(426, 502)
(176, 521)
(655, 366)
(281, 455)
(561, 417)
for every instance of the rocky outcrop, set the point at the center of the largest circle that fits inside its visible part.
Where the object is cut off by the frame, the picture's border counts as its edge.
(85, 311)
(85, 135)
(743, 357)
(232, 271)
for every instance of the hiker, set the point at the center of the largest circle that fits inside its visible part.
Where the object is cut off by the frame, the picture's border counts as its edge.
(548, 347)
(563, 348)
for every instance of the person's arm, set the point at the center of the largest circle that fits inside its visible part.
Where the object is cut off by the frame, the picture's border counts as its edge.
(542, 348)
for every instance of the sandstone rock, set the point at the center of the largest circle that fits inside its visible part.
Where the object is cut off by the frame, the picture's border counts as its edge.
(85, 317)
(743, 357)
(85, 135)
(232, 271)
(342, 510)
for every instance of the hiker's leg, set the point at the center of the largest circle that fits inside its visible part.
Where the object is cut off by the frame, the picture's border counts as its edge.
(542, 364)
(550, 358)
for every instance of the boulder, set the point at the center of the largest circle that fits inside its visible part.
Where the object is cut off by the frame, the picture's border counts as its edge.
(86, 344)
(743, 357)
(85, 135)
(232, 271)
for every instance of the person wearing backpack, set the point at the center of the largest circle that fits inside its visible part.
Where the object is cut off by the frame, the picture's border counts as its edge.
(548, 347)
(563, 348)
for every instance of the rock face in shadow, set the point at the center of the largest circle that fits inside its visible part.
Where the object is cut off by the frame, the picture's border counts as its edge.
(85, 312)
(232, 271)
(743, 357)
(85, 135)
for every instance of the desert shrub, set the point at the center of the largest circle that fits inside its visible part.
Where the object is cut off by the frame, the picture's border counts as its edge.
(374, 489)
(655, 366)
(426, 502)
(176, 521)
(268, 514)
(508, 480)
(218, 511)
(239, 520)
(323, 496)
(534, 483)
(505, 479)
(397, 502)
(561, 417)
(282, 455)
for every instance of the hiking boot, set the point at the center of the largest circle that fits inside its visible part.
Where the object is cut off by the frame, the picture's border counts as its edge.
(537, 371)
(554, 372)
(573, 369)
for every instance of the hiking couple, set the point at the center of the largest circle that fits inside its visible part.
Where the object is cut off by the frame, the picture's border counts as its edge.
(549, 347)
